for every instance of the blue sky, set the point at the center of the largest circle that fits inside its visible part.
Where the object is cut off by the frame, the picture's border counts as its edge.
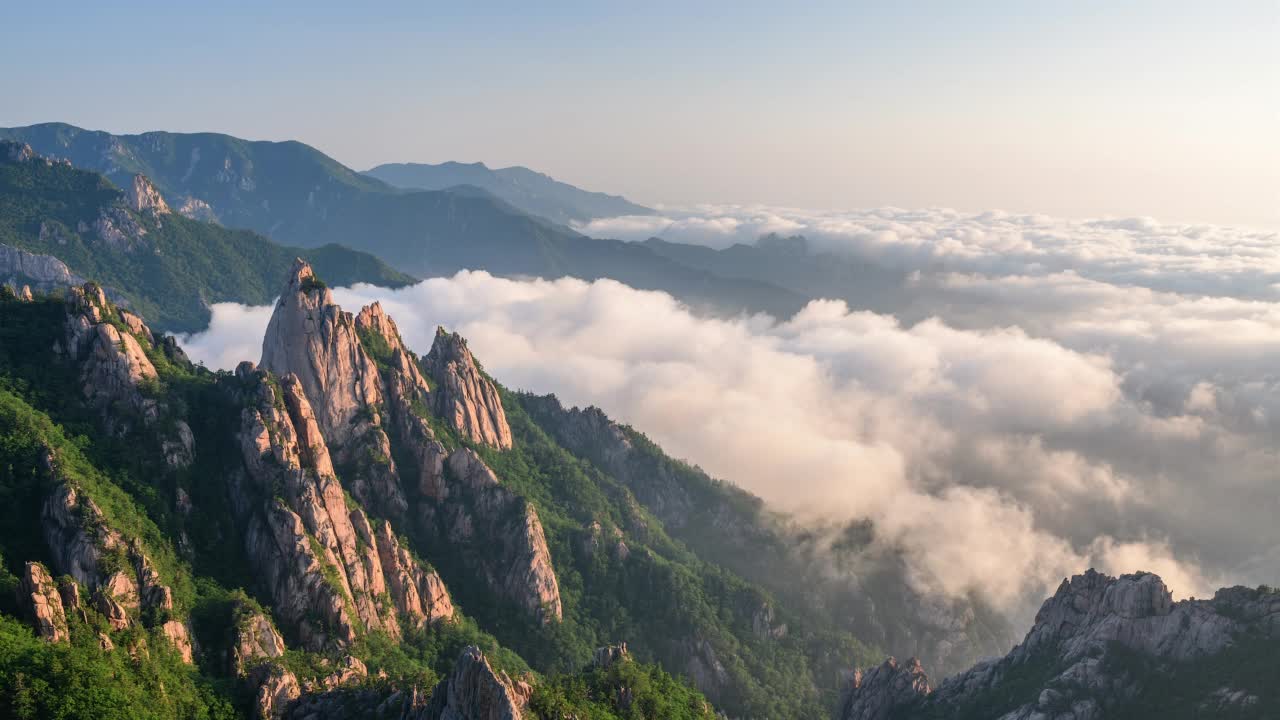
(1081, 108)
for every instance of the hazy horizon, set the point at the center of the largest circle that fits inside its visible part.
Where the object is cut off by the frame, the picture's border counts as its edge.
(1088, 111)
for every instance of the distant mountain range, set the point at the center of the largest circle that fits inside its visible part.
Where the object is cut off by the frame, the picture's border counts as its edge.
(60, 224)
(297, 195)
(529, 190)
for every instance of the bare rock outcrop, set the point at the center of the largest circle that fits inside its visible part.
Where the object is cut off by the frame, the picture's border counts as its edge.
(196, 209)
(408, 400)
(330, 576)
(142, 196)
(311, 337)
(277, 688)
(474, 691)
(608, 655)
(1062, 669)
(42, 272)
(873, 694)
(127, 589)
(499, 533)
(180, 637)
(419, 593)
(40, 600)
(367, 392)
(107, 342)
(254, 639)
(464, 397)
(119, 230)
(18, 152)
(302, 542)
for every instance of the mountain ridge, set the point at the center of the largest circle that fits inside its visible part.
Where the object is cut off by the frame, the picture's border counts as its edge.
(60, 224)
(296, 195)
(534, 192)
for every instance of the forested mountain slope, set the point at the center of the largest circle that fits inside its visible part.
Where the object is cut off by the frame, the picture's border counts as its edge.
(60, 225)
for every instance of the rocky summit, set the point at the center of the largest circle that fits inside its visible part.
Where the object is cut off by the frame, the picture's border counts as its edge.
(1101, 647)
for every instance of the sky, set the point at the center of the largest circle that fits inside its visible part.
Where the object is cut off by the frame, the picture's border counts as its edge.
(1080, 109)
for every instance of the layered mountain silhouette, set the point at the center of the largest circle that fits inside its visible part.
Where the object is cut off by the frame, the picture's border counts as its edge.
(529, 190)
(298, 196)
(60, 225)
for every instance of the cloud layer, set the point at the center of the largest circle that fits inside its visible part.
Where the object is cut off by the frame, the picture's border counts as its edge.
(1199, 259)
(997, 457)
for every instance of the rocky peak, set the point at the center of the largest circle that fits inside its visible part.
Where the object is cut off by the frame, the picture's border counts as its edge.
(874, 693)
(142, 196)
(313, 338)
(464, 396)
(1088, 619)
(475, 691)
(109, 344)
(372, 318)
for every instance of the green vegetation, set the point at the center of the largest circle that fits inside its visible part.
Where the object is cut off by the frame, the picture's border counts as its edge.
(81, 681)
(1175, 691)
(177, 268)
(664, 601)
(24, 487)
(624, 691)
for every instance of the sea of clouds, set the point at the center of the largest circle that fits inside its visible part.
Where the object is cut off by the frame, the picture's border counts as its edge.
(1078, 393)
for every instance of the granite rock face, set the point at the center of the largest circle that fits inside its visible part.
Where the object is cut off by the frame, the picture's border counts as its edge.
(372, 399)
(319, 558)
(128, 589)
(1090, 619)
(499, 533)
(255, 639)
(40, 600)
(142, 196)
(299, 536)
(42, 272)
(314, 339)
(420, 594)
(107, 343)
(873, 694)
(464, 397)
(474, 691)
(311, 337)
(197, 209)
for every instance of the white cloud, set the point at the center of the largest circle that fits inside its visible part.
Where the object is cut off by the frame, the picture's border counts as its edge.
(1198, 259)
(995, 460)
(234, 334)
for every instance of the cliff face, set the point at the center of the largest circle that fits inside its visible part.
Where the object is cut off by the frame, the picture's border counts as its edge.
(123, 581)
(499, 533)
(373, 401)
(142, 196)
(42, 273)
(106, 344)
(474, 691)
(464, 397)
(1098, 644)
(318, 557)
